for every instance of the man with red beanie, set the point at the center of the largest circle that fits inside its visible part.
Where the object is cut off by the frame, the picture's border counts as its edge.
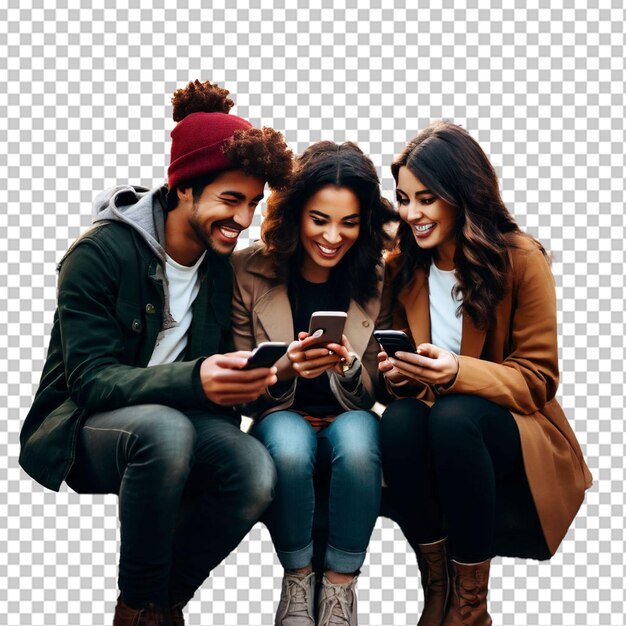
(140, 388)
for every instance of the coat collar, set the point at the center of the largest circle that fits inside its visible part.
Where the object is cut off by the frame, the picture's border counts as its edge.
(415, 299)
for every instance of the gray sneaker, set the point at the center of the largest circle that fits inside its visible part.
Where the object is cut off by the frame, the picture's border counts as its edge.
(296, 601)
(336, 605)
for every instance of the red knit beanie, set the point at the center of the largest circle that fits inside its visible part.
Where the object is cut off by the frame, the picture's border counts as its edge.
(197, 142)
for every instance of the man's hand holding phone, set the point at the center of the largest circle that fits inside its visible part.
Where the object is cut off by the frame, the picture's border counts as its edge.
(225, 382)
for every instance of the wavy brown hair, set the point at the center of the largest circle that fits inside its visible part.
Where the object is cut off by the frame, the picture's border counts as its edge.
(260, 152)
(341, 165)
(449, 162)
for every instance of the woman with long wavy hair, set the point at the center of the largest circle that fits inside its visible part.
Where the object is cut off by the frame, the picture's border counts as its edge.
(478, 455)
(322, 243)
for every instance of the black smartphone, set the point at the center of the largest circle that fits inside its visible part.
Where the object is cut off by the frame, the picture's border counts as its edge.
(327, 326)
(392, 341)
(266, 354)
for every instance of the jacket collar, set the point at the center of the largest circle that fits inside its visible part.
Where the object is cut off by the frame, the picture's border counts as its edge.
(415, 299)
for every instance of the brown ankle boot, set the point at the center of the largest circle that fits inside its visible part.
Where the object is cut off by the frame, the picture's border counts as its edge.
(433, 564)
(150, 615)
(468, 600)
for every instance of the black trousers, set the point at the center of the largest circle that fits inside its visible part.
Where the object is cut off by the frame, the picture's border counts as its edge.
(445, 466)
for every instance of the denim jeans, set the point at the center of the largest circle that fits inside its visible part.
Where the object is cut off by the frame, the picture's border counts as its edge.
(347, 451)
(190, 487)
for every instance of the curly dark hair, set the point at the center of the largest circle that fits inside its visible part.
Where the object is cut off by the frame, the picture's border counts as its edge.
(342, 165)
(449, 162)
(197, 97)
(260, 152)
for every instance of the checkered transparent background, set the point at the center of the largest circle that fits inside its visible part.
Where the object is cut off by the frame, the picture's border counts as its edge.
(85, 105)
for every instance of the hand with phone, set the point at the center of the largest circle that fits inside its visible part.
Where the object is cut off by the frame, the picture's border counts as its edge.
(391, 342)
(427, 364)
(225, 382)
(322, 348)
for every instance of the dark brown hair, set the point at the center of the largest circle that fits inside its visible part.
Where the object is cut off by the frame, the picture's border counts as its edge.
(260, 152)
(449, 162)
(342, 165)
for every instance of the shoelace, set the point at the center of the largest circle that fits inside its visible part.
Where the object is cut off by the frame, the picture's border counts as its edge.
(336, 610)
(297, 589)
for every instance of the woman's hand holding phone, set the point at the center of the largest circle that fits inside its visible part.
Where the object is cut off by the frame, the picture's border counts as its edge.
(429, 364)
(311, 362)
(391, 373)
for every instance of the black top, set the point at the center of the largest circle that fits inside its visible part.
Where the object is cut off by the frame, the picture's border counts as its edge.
(314, 395)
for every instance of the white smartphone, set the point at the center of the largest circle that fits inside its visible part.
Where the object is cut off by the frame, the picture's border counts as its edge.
(327, 327)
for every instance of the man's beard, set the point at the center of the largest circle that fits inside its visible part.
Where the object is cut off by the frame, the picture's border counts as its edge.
(207, 239)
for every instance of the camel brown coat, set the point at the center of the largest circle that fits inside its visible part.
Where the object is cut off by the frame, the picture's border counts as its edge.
(515, 364)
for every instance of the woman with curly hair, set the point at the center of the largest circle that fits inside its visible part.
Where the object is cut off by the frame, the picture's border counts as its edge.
(479, 457)
(323, 238)
(141, 385)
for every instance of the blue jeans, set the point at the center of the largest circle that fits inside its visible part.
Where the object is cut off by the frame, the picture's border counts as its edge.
(190, 487)
(347, 450)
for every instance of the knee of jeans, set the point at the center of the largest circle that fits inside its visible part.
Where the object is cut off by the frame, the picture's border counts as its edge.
(257, 479)
(165, 440)
(291, 443)
(355, 443)
(450, 421)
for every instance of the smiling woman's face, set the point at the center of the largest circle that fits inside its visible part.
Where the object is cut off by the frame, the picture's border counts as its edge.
(431, 218)
(329, 227)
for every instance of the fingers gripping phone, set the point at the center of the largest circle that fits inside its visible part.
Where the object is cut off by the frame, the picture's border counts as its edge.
(392, 341)
(266, 354)
(327, 327)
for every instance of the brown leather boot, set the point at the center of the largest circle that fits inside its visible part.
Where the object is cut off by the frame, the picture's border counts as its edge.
(150, 615)
(433, 564)
(468, 600)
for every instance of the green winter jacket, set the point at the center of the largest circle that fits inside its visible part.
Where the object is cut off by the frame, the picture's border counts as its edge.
(111, 305)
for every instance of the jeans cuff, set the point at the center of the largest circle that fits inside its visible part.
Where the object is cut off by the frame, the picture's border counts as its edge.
(343, 562)
(296, 560)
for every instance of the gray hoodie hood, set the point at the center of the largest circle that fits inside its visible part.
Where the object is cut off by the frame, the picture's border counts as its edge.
(139, 207)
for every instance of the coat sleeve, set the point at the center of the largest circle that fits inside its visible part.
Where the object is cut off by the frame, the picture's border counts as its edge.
(93, 341)
(528, 376)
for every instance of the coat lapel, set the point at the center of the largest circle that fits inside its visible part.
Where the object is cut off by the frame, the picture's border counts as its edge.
(274, 313)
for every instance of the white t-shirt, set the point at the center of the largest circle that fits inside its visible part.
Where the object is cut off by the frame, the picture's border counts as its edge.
(445, 327)
(183, 288)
